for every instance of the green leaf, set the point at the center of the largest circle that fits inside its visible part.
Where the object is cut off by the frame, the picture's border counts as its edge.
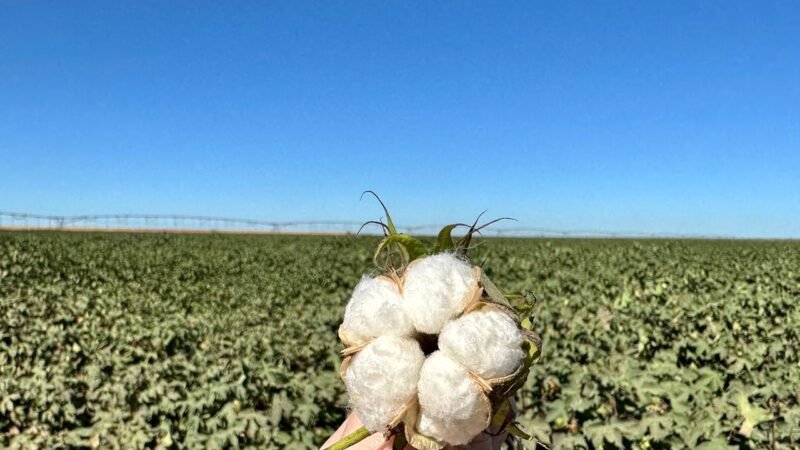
(563, 441)
(540, 430)
(656, 427)
(521, 303)
(753, 415)
(517, 431)
(598, 433)
(444, 241)
(410, 249)
(500, 416)
(718, 443)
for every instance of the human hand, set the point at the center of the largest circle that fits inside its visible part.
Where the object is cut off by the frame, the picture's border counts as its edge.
(483, 441)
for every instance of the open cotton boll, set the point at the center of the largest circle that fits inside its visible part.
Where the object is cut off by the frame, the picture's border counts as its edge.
(382, 378)
(487, 342)
(435, 290)
(446, 389)
(375, 309)
(453, 409)
(453, 432)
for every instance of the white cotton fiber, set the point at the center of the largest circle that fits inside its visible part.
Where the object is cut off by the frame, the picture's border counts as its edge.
(375, 309)
(453, 432)
(487, 342)
(435, 290)
(382, 378)
(453, 409)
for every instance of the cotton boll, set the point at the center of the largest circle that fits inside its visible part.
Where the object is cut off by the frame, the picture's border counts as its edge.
(375, 309)
(453, 432)
(453, 409)
(382, 378)
(487, 342)
(435, 290)
(446, 389)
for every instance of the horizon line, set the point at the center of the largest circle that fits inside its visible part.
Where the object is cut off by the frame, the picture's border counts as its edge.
(176, 223)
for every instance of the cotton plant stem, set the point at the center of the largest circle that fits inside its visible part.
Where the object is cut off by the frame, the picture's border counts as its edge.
(351, 439)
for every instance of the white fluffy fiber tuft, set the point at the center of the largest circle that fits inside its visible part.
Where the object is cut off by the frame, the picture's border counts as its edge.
(487, 342)
(453, 409)
(382, 379)
(375, 309)
(436, 289)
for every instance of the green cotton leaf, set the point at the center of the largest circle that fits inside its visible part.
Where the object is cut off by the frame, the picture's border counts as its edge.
(499, 418)
(691, 435)
(493, 292)
(410, 248)
(564, 441)
(275, 413)
(753, 415)
(527, 324)
(540, 430)
(709, 381)
(656, 427)
(719, 443)
(521, 303)
(444, 241)
(532, 340)
(165, 440)
(792, 415)
(517, 431)
(598, 433)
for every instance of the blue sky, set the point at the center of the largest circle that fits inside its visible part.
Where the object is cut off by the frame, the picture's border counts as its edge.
(660, 117)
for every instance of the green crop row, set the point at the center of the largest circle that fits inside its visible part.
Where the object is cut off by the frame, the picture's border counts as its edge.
(222, 341)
